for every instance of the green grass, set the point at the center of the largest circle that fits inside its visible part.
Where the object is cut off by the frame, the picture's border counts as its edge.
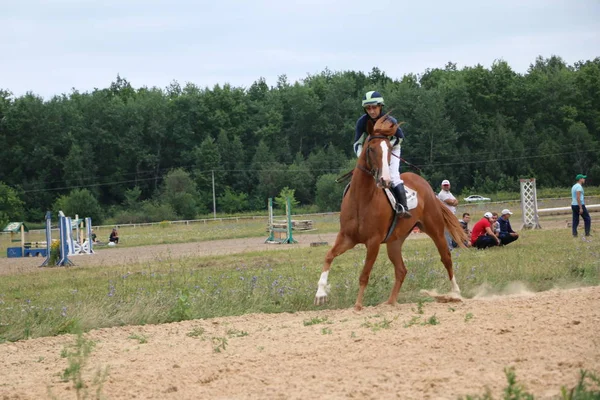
(46, 303)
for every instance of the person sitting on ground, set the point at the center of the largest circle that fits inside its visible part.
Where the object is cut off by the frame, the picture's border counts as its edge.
(495, 224)
(464, 223)
(114, 236)
(482, 235)
(507, 235)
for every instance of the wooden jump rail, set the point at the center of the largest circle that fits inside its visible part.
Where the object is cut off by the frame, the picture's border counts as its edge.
(277, 233)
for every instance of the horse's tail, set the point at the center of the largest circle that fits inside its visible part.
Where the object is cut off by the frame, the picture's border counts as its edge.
(453, 226)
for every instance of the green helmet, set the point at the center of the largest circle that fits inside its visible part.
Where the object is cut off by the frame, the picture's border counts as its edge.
(372, 98)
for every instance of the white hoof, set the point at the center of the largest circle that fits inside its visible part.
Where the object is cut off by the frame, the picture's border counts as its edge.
(321, 296)
(320, 300)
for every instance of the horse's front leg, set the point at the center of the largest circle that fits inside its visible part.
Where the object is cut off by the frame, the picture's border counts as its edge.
(341, 245)
(372, 252)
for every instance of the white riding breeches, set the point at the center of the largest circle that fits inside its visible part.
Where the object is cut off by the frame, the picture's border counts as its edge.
(395, 166)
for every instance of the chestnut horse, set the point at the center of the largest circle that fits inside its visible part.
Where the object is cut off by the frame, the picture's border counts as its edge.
(366, 216)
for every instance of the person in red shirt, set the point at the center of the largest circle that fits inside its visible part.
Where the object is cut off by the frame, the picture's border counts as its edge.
(482, 235)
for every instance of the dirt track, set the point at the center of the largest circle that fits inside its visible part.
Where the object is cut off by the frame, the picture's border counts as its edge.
(547, 338)
(377, 353)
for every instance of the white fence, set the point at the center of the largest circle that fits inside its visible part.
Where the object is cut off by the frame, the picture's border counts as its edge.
(566, 210)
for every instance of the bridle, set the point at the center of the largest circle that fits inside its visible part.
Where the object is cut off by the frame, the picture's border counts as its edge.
(374, 172)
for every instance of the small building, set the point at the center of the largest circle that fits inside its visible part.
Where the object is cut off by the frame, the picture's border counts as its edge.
(26, 249)
(17, 235)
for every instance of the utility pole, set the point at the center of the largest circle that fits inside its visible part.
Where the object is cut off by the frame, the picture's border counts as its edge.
(214, 197)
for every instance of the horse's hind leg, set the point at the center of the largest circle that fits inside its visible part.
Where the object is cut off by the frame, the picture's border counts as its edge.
(394, 251)
(372, 252)
(440, 242)
(341, 245)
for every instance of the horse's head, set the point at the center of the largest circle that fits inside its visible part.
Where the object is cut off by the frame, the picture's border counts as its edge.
(385, 126)
(378, 150)
(377, 157)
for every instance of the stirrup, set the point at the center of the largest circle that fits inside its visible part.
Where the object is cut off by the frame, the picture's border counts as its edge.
(402, 211)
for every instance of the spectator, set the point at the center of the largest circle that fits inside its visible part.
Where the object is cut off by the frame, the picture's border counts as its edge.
(578, 206)
(114, 236)
(507, 235)
(495, 224)
(94, 236)
(482, 235)
(464, 223)
(449, 201)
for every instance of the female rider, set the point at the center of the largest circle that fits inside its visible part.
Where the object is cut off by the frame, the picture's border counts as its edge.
(373, 105)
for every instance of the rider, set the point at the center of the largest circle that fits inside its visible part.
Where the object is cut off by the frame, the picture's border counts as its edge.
(373, 104)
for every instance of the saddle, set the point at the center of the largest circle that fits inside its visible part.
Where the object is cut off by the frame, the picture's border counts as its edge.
(411, 197)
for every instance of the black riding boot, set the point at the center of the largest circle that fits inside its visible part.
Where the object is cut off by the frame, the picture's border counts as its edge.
(401, 206)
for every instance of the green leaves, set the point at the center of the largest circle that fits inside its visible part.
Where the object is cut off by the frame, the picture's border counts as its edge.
(475, 126)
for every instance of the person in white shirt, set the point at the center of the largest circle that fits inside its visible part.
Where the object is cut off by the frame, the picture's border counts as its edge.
(449, 201)
(446, 197)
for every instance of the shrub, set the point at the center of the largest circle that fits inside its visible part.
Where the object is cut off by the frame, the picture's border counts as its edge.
(329, 193)
(80, 202)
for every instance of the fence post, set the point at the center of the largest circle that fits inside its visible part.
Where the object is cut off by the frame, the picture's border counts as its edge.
(529, 204)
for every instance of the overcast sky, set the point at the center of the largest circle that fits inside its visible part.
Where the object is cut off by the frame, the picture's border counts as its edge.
(49, 47)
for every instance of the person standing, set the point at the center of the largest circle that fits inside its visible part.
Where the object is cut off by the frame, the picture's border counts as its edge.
(449, 201)
(578, 206)
(507, 235)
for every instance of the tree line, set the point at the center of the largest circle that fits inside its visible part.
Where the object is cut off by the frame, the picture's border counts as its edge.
(153, 154)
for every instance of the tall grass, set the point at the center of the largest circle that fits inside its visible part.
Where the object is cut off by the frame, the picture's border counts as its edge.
(56, 301)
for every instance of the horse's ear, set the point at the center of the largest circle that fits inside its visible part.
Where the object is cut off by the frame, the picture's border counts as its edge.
(370, 127)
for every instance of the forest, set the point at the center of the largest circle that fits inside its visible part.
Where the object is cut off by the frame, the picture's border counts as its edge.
(153, 154)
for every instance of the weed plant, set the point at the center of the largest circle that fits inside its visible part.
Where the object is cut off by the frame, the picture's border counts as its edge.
(587, 388)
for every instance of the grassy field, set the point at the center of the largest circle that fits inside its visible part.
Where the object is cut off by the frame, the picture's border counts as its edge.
(165, 232)
(51, 302)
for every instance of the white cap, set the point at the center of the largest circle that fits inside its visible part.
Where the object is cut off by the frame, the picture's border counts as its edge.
(506, 211)
(445, 182)
(488, 215)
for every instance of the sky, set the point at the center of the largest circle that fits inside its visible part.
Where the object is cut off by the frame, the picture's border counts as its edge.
(50, 47)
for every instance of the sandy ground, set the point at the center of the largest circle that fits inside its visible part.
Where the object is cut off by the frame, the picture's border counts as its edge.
(381, 352)
(372, 354)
